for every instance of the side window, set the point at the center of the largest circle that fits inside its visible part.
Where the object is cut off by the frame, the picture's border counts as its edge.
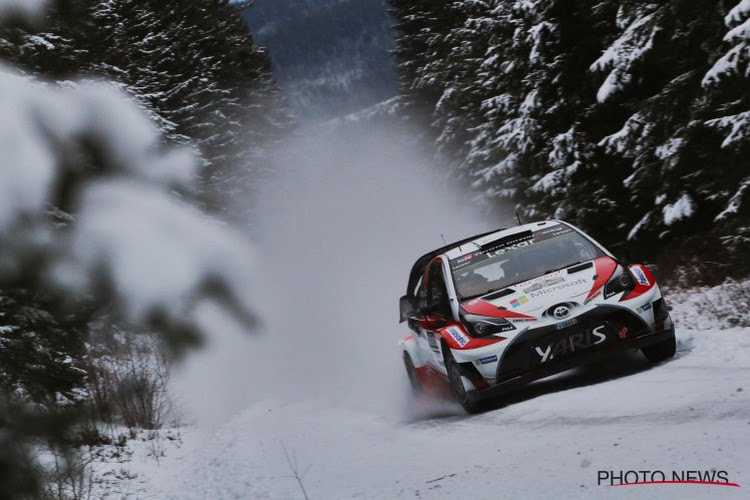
(437, 294)
(421, 292)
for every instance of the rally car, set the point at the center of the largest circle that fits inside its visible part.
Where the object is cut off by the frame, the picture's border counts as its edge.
(496, 311)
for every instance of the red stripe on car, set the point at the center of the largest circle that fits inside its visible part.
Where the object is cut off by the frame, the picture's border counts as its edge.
(605, 268)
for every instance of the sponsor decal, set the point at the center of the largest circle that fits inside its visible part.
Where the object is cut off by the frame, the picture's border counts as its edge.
(640, 276)
(458, 336)
(485, 361)
(593, 297)
(554, 288)
(463, 259)
(711, 477)
(508, 244)
(643, 308)
(575, 342)
(543, 284)
(522, 320)
(565, 324)
(432, 341)
(516, 303)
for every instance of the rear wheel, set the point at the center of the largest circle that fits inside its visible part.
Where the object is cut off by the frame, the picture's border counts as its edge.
(661, 351)
(411, 372)
(457, 386)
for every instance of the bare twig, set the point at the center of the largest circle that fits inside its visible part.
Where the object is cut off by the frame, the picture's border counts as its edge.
(292, 461)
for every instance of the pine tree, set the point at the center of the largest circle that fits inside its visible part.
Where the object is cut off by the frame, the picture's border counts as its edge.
(39, 355)
(421, 25)
(726, 83)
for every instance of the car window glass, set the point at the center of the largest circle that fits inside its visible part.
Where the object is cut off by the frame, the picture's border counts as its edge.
(532, 254)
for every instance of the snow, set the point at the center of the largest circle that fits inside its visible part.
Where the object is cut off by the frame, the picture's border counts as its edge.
(670, 148)
(530, 104)
(727, 65)
(735, 202)
(183, 252)
(634, 44)
(731, 63)
(739, 13)
(738, 126)
(689, 413)
(739, 34)
(639, 225)
(621, 142)
(681, 209)
(537, 35)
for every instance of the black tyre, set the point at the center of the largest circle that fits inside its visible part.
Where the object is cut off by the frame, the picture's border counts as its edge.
(411, 372)
(457, 386)
(662, 351)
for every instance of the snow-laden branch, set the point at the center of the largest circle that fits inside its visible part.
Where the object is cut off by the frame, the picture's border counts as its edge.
(132, 241)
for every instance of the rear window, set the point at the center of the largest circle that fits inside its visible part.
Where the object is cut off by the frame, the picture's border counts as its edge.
(520, 257)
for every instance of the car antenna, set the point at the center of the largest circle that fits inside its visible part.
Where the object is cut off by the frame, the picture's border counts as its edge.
(518, 217)
(446, 243)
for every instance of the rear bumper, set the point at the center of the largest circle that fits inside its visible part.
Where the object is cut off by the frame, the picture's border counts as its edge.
(511, 382)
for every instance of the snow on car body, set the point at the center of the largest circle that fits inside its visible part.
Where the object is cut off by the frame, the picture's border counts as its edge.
(499, 310)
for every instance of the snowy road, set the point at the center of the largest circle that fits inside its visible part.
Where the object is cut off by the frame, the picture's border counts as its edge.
(692, 413)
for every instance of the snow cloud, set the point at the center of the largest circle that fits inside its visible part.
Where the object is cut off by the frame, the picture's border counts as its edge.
(339, 227)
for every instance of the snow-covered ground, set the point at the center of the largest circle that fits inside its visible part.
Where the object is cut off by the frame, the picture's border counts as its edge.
(692, 413)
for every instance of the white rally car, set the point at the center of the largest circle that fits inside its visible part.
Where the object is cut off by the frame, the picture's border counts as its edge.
(499, 310)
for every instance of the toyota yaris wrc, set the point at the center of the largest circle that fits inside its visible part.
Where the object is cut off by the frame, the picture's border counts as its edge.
(499, 310)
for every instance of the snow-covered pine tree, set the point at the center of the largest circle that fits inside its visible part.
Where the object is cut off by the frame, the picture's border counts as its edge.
(195, 65)
(509, 116)
(676, 168)
(39, 353)
(726, 84)
(421, 26)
